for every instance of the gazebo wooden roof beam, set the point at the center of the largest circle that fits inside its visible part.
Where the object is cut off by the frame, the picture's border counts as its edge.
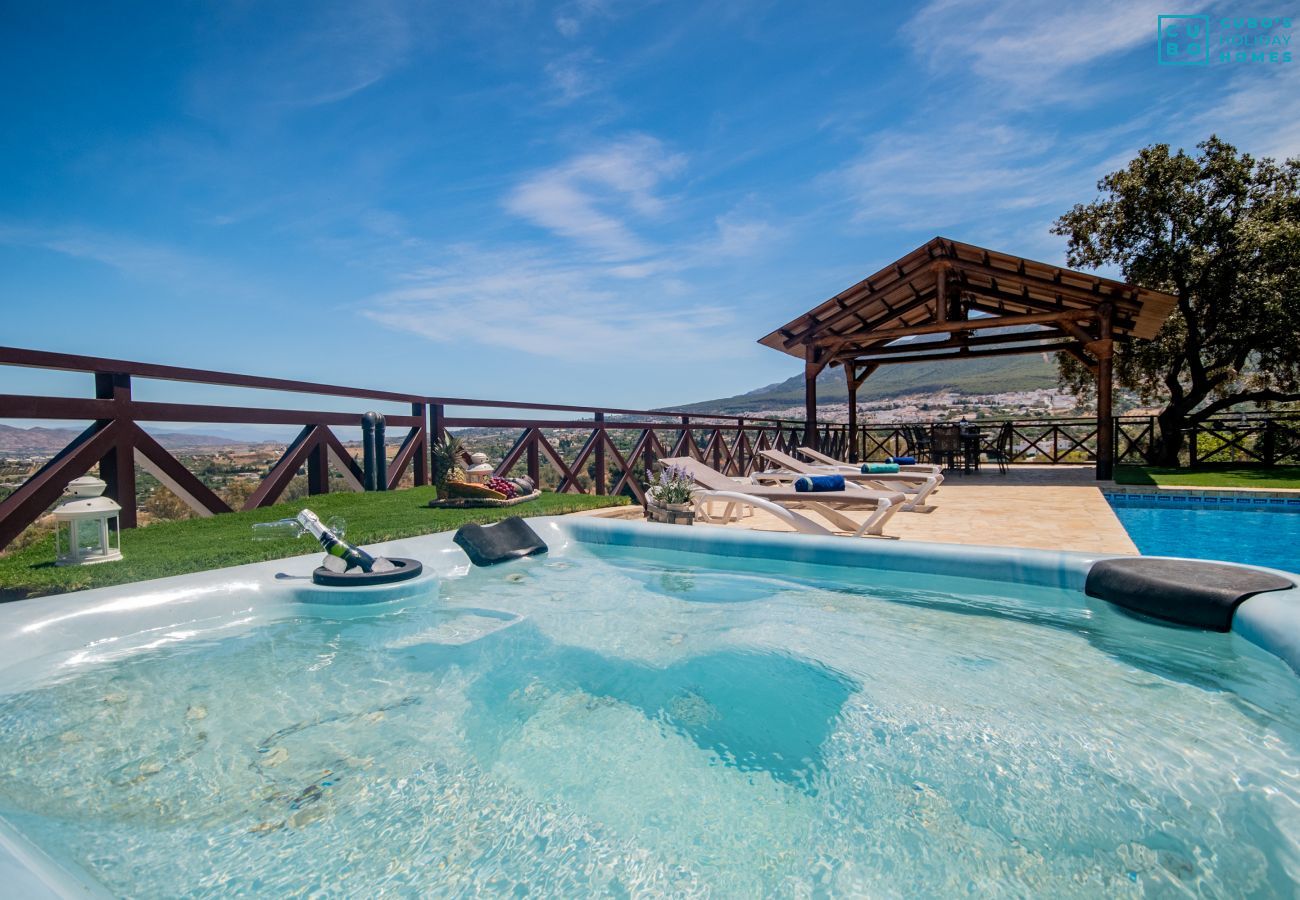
(1074, 315)
(969, 354)
(883, 352)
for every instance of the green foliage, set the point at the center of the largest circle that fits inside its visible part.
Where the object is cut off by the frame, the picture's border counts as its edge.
(1226, 476)
(1221, 232)
(192, 545)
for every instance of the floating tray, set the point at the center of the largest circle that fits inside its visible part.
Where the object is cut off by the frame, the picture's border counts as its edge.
(477, 502)
(406, 569)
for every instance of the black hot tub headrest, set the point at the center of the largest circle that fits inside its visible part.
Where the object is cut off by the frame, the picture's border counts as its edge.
(487, 545)
(1186, 591)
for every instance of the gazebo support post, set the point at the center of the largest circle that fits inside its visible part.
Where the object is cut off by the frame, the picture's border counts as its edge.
(855, 376)
(853, 411)
(1104, 351)
(813, 365)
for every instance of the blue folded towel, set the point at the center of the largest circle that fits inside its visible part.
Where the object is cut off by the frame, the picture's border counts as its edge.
(818, 483)
(903, 460)
(888, 468)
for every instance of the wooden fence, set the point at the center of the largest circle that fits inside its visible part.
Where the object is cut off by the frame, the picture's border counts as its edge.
(611, 449)
(115, 442)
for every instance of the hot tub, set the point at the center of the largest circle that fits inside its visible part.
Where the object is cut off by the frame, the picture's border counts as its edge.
(648, 709)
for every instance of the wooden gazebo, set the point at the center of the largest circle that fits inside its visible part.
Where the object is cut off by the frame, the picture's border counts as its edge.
(949, 300)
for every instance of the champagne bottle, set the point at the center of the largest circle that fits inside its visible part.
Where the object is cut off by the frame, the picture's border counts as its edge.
(334, 545)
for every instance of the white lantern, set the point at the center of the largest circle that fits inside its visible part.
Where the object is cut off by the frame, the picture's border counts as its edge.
(479, 471)
(86, 527)
(479, 474)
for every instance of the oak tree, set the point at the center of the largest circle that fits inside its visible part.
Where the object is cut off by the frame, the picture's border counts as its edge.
(1221, 232)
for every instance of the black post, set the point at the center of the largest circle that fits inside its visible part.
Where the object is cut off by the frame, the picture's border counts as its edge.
(381, 457)
(602, 486)
(369, 471)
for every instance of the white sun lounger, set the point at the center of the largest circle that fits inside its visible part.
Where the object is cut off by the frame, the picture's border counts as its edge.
(917, 485)
(778, 500)
(926, 468)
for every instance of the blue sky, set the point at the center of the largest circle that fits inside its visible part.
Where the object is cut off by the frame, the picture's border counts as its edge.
(595, 202)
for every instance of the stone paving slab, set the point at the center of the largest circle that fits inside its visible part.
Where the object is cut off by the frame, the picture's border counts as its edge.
(1032, 506)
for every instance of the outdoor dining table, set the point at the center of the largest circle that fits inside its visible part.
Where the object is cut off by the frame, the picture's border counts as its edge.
(957, 446)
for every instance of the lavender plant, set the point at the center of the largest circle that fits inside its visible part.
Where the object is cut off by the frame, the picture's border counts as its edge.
(673, 484)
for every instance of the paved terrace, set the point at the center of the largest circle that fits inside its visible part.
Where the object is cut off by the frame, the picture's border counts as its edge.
(1046, 507)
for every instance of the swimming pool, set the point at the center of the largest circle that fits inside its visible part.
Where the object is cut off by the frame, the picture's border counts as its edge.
(647, 709)
(1260, 533)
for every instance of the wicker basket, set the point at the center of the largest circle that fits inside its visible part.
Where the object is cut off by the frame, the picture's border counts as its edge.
(480, 502)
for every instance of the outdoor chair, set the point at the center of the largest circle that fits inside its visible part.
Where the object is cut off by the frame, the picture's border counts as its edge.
(918, 443)
(947, 445)
(918, 485)
(1001, 452)
(780, 500)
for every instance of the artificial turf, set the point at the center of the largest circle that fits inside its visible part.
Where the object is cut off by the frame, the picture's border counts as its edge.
(1224, 476)
(192, 545)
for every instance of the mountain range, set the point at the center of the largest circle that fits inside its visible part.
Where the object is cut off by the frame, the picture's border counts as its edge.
(991, 375)
(38, 441)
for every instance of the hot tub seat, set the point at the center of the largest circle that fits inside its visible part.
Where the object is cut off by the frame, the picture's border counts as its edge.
(1184, 591)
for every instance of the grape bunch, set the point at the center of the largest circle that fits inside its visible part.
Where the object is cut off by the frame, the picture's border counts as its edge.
(501, 486)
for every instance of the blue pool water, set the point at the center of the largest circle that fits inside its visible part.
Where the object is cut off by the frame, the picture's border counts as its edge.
(609, 721)
(1259, 536)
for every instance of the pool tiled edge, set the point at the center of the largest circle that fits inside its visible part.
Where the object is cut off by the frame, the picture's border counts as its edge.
(1242, 498)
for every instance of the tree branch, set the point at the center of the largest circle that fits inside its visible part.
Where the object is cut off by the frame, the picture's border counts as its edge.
(1264, 396)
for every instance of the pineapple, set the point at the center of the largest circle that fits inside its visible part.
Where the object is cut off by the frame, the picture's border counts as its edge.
(448, 457)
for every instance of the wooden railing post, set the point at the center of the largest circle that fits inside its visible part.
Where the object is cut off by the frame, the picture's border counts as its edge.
(422, 457)
(318, 470)
(534, 462)
(436, 415)
(1270, 443)
(602, 478)
(740, 448)
(117, 467)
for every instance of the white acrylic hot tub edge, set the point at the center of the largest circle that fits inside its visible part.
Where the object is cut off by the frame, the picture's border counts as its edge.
(35, 628)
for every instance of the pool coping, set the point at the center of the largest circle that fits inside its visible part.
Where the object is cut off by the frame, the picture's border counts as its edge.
(42, 627)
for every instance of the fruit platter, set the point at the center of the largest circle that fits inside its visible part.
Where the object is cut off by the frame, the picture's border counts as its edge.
(496, 491)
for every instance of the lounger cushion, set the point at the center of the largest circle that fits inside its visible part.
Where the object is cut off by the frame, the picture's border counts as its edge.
(888, 468)
(819, 483)
(1189, 592)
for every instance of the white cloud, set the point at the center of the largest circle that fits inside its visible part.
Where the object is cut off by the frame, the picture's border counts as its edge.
(589, 198)
(572, 17)
(1028, 43)
(341, 49)
(1255, 111)
(740, 236)
(570, 77)
(936, 178)
(133, 257)
(523, 301)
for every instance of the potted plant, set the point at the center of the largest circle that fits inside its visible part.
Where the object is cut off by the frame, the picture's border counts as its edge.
(669, 497)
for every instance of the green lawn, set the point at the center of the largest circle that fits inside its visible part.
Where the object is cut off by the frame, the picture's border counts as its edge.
(1225, 476)
(174, 548)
